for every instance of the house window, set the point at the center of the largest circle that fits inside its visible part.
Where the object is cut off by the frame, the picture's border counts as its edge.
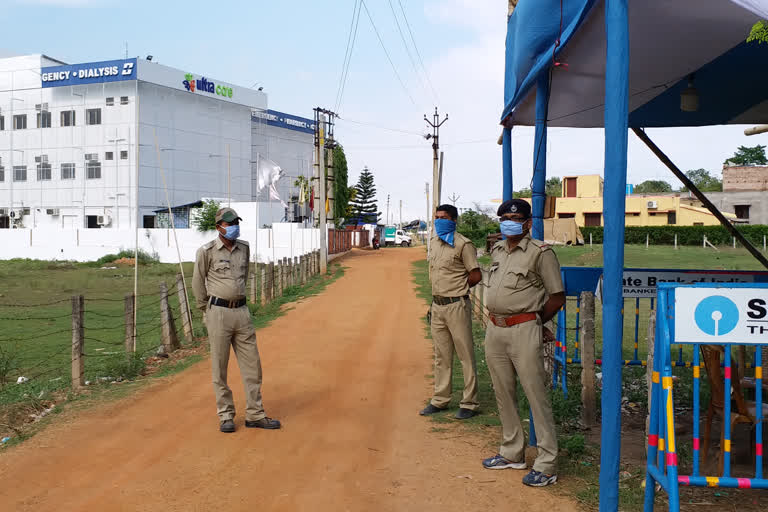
(2, 173)
(698, 223)
(149, 221)
(110, 101)
(20, 122)
(566, 215)
(632, 214)
(43, 119)
(592, 219)
(67, 171)
(109, 155)
(43, 172)
(123, 100)
(742, 211)
(19, 173)
(93, 116)
(671, 218)
(68, 118)
(93, 170)
(570, 188)
(2, 123)
(124, 155)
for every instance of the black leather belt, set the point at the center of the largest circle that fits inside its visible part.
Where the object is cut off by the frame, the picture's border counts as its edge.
(224, 303)
(444, 301)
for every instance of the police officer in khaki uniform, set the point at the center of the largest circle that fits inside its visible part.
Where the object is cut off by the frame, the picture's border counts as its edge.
(219, 283)
(453, 270)
(525, 291)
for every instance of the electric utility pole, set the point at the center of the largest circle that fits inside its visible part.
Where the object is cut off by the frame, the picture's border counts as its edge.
(401, 214)
(454, 198)
(436, 123)
(323, 141)
(426, 220)
(387, 221)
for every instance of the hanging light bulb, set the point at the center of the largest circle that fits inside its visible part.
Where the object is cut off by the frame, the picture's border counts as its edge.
(689, 98)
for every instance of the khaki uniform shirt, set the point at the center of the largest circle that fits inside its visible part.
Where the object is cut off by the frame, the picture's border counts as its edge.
(449, 267)
(521, 280)
(219, 272)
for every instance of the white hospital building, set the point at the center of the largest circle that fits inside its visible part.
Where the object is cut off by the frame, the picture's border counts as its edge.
(98, 144)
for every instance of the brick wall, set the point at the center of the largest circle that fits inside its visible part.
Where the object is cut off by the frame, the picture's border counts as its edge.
(745, 178)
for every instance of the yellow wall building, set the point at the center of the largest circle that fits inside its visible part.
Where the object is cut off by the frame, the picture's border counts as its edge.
(582, 200)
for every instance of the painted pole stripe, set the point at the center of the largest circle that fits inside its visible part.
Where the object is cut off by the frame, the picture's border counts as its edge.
(758, 372)
(744, 483)
(730, 482)
(684, 480)
(666, 382)
(661, 444)
(727, 445)
(653, 440)
(727, 372)
(759, 449)
(696, 372)
(671, 459)
(695, 443)
(712, 481)
(655, 377)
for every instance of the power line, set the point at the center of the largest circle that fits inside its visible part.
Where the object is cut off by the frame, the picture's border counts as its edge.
(351, 38)
(407, 49)
(362, 123)
(367, 12)
(415, 47)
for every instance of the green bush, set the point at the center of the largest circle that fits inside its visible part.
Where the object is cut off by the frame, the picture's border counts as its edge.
(144, 257)
(125, 366)
(686, 235)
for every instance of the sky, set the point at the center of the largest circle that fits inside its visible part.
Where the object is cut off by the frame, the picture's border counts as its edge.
(295, 49)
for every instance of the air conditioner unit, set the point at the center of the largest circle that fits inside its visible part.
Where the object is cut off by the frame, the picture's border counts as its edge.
(3, 212)
(92, 157)
(652, 204)
(41, 158)
(52, 211)
(17, 213)
(103, 220)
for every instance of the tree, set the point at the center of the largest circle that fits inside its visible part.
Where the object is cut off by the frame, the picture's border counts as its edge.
(364, 207)
(554, 187)
(476, 225)
(340, 186)
(523, 192)
(652, 187)
(204, 218)
(759, 32)
(748, 156)
(703, 181)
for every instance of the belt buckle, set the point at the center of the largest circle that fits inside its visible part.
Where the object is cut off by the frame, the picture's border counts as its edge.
(231, 304)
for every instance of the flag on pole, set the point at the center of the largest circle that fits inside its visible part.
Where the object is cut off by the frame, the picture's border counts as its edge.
(268, 173)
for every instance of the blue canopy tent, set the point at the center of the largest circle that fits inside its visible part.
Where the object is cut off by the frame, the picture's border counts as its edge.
(612, 64)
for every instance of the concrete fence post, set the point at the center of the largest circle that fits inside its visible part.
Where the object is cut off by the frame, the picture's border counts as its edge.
(588, 381)
(130, 334)
(78, 342)
(253, 295)
(184, 310)
(169, 337)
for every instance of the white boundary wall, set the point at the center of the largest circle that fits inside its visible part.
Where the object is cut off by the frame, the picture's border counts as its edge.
(285, 240)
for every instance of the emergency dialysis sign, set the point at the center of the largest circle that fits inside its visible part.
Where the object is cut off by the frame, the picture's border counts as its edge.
(90, 73)
(721, 315)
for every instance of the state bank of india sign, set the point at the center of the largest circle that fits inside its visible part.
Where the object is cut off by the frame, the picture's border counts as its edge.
(202, 84)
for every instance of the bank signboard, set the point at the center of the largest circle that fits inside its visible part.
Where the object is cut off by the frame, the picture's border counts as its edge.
(722, 314)
(88, 73)
(642, 283)
(283, 120)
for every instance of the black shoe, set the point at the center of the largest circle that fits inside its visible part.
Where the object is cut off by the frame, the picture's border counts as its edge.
(430, 409)
(465, 414)
(267, 423)
(227, 426)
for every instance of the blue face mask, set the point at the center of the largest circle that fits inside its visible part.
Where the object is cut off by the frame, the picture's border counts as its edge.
(445, 229)
(232, 232)
(511, 228)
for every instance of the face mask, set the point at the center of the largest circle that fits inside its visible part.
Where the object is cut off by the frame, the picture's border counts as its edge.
(232, 232)
(445, 229)
(511, 228)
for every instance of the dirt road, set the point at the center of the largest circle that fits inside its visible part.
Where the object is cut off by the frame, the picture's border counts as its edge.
(345, 372)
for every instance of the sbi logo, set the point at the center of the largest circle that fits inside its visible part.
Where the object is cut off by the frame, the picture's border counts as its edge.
(716, 315)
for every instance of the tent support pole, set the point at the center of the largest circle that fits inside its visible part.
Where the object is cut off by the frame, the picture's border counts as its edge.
(700, 196)
(614, 200)
(506, 163)
(539, 184)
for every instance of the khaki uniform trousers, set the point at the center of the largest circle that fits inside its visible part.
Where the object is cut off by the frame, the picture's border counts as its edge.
(513, 352)
(232, 327)
(452, 331)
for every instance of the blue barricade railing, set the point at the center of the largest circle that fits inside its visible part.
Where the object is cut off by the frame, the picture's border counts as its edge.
(641, 281)
(711, 318)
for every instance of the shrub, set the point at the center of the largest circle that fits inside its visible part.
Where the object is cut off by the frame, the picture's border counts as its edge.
(686, 235)
(144, 257)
